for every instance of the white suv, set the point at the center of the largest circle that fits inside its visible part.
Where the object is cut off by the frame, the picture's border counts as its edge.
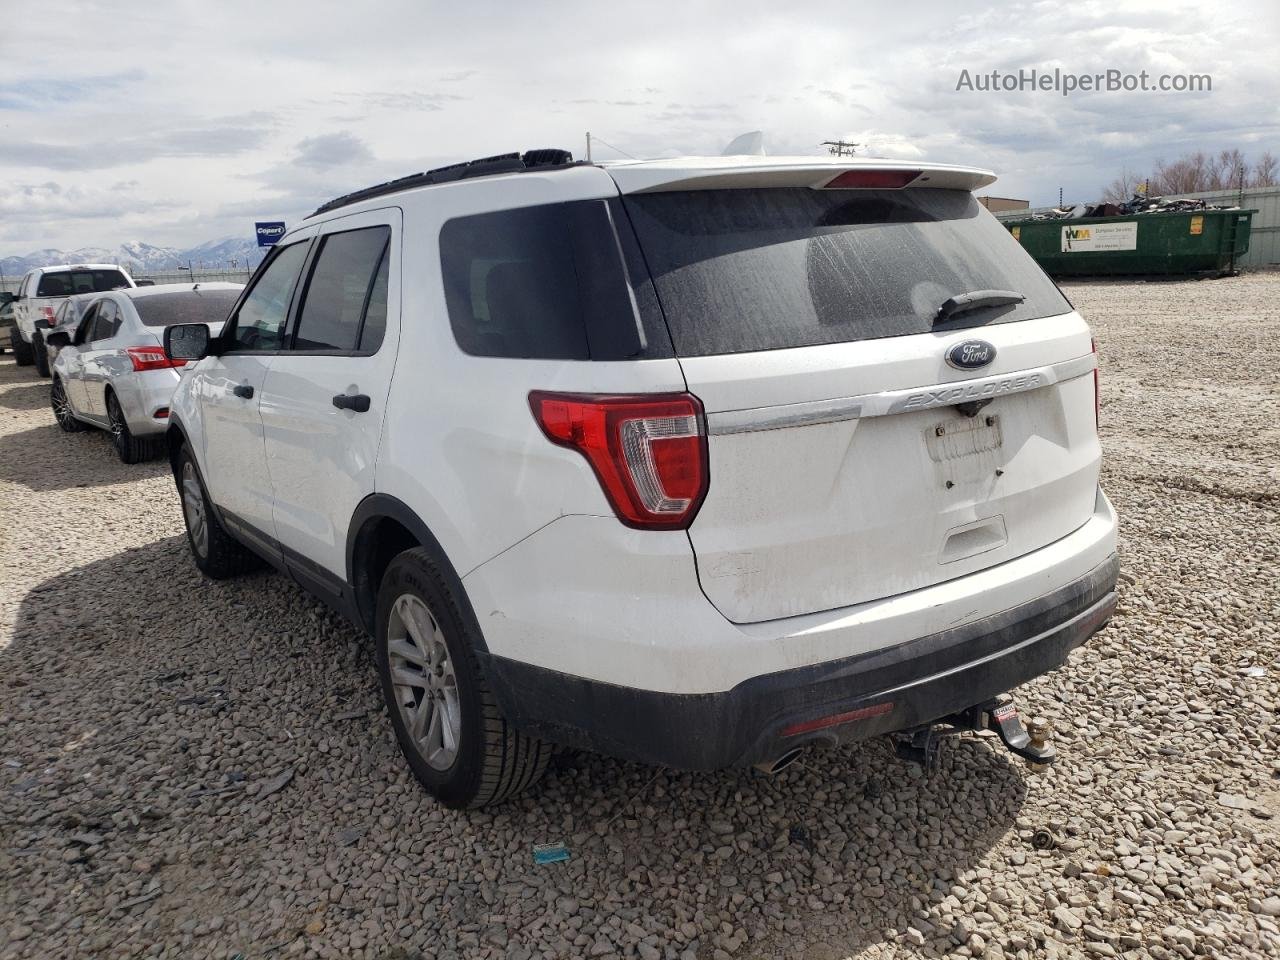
(697, 462)
(41, 293)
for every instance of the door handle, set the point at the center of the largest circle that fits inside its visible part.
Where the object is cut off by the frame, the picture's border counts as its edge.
(243, 390)
(358, 402)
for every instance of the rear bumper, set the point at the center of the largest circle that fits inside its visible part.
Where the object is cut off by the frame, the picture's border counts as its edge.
(894, 688)
(142, 394)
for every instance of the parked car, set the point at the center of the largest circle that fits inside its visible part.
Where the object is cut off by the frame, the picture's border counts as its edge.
(112, 372)
(697, 462)
(6, 323)
(39, 294)
(66, 319)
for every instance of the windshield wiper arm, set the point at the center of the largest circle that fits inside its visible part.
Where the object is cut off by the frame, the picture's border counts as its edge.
(976, 300)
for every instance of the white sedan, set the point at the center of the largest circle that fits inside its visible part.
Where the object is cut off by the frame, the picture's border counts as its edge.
(113, 373)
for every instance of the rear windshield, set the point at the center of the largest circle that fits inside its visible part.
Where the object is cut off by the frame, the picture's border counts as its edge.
(741, 270)
(66, 282)
(185, 306)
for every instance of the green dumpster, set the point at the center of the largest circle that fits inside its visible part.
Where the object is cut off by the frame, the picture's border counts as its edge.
(1189, 241)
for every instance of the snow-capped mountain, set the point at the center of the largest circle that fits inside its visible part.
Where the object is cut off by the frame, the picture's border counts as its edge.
(139, 257)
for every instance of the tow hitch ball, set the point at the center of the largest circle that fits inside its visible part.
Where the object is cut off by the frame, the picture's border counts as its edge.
(1030, 742)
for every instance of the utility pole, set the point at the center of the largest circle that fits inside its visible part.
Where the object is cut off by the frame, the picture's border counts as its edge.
(840, 148)
(1059, 198)
(588, 146)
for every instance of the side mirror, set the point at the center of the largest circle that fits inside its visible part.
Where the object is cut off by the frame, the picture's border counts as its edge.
(187, 341)
(58, 340)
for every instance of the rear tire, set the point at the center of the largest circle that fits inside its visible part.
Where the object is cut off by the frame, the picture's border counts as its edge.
(21, 349)
(130, 449)
(40, 354)
(434, 686)
(62, 408)
(216, 554)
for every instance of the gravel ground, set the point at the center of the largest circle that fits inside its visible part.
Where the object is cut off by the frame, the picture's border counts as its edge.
(190, 769)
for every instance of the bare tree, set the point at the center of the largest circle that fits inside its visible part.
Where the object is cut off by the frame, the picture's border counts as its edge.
(1198, 172)
(1122, 187)
(1264, 171)
(1232, 167)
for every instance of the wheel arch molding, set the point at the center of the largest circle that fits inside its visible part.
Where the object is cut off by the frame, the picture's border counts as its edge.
(381, 527)
(174, 438)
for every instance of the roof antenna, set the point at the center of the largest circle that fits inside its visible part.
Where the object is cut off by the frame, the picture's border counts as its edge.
(747, 145)
(588, 146)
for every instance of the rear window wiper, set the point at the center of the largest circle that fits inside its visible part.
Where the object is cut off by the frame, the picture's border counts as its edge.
(975, 300)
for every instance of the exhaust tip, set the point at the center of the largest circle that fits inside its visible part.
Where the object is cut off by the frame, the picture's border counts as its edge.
(779, 763)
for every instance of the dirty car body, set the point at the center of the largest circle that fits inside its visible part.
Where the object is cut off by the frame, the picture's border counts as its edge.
(719, 458)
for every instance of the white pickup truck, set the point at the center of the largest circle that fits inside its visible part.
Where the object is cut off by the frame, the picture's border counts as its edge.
(41, 292)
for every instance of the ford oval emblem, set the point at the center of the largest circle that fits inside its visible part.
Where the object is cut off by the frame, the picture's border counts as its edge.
(971, 354)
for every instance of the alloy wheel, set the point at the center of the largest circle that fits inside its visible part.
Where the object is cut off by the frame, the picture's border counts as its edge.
(61, 407)
(115, 418)
(422, 675)
(193, 509)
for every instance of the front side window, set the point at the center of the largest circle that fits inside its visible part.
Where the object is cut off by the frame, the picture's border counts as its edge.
(259, 324)
(87, 323)
(107, 322)
(338, 292)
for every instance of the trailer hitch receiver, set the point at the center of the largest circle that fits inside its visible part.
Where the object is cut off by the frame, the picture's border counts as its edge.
(1030, 742)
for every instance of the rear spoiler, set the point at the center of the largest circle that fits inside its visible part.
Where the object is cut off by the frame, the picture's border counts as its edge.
(732, 173)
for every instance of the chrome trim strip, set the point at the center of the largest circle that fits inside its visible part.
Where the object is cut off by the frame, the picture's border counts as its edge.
(892, 402)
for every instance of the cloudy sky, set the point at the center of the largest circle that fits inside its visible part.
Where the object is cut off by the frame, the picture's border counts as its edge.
(176, 123)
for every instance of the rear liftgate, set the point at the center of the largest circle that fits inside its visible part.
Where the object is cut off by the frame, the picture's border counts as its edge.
(1030, 742)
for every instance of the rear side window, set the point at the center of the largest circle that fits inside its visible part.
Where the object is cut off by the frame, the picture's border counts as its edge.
(66, 282)
(337, 295)
(186, 306)
(549, 282)
(375, 316)
(743, 270)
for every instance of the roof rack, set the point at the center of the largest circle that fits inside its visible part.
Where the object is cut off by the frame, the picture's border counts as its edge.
(484, 167)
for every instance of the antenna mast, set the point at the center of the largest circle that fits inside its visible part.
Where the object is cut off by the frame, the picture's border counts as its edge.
(840, 148)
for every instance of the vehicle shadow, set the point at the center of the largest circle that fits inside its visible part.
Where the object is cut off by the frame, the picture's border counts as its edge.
(204, 693)
(45, 458)
(29, 396)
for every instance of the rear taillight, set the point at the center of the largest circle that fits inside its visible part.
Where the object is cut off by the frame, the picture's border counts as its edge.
(872, 179)
(151, 358)
(1097, 388)
(649, 451)
(48, 312)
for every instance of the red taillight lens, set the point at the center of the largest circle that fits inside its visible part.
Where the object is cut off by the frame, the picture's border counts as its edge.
(649, 451)
(1097, 389)
(151, 358)
(48, 312)
(872, 179)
